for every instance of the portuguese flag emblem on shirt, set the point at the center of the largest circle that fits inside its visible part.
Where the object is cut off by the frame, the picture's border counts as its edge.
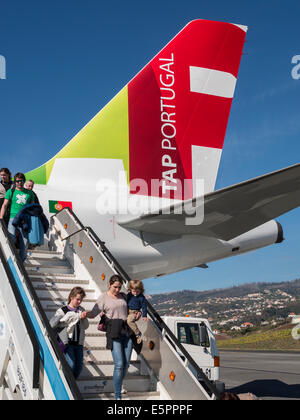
(56, 206)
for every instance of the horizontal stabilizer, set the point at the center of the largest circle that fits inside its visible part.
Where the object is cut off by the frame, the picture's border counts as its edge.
(231, 211)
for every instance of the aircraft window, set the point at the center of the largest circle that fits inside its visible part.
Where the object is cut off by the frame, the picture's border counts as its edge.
(188, 334)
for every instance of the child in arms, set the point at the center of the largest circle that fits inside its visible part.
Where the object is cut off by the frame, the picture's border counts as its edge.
(136, 302)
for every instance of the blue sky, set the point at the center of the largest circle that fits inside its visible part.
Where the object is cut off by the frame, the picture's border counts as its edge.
(66, 59)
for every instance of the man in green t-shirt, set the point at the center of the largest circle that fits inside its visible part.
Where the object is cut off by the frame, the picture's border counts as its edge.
(19, 197)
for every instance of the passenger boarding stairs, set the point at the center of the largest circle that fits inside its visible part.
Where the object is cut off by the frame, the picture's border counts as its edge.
(75, 256)
(53, 277)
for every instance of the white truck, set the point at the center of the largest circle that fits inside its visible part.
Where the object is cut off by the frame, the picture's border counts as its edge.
(196, 336)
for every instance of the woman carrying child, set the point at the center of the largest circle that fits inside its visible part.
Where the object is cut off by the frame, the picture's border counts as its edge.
(113, 303)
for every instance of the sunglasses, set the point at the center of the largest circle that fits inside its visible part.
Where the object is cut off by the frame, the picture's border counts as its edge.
(19, 180)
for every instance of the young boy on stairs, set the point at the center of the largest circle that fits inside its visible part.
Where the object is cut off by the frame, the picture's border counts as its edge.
(136, 302)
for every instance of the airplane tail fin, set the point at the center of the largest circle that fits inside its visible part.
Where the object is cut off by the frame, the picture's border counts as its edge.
(169, 122)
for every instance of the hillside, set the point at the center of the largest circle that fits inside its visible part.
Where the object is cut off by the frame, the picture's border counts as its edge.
(273, 339)
(229, 308)
(292, 287)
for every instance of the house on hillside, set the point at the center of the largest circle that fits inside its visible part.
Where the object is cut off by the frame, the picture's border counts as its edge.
(236, 328)
(295, 319)
(247, 325)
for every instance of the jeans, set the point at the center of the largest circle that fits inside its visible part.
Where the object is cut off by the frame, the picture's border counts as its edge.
(121, 353)
(23, 239)
(74, 356)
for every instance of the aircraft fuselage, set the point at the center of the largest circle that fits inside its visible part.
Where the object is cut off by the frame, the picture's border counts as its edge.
(145, 255)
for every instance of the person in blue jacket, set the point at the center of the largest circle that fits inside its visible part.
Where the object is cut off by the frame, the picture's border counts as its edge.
(136, 303)
(23, 218)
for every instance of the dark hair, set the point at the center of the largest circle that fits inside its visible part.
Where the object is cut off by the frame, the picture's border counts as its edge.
(115, 278)
(76, 291)
(6, 171)
(19, 175)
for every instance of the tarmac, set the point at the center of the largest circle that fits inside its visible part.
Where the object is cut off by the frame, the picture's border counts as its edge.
(267, 375)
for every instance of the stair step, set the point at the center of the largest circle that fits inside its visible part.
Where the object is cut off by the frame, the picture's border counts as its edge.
(54, 304)
(48, 269)
(150, 395)
(55, 261)
(87, 301)
(101, 384)
(42, 253)
(92, 340)
(52, 281)
(91, 332)
(92, 351)
(106, 368)
(46, 259)
(38, 249)
(94, 321)
(50, 291)
(53, 276)
(96, 334)
(136, 363)
(97, 353)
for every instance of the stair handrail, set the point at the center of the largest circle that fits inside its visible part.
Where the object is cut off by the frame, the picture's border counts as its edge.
(50, 332)
(24, 314)
(152, 312)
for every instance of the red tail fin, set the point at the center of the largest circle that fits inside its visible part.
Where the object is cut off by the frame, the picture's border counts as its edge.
(179, 107)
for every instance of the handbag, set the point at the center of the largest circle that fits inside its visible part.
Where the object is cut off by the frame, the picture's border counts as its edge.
(102, 323)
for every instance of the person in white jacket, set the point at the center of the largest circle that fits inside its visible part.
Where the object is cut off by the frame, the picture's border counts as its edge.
(70, 324)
